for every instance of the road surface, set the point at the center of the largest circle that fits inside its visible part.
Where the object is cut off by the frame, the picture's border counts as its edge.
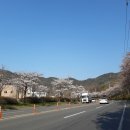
(112, 116)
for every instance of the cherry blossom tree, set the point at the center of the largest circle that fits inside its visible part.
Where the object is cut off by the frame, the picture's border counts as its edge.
(125, 74)
(41, 90)
(25, 81)
(62, 85)
(4, 80)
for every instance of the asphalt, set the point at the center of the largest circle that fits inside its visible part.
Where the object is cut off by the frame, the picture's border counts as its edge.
(112, 116)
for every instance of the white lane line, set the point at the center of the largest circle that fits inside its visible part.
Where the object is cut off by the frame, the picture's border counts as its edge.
(122, 118)
(74, 114)
(99, 107)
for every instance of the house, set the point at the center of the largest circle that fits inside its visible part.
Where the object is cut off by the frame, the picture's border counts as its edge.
(11, 91)
(30, 93)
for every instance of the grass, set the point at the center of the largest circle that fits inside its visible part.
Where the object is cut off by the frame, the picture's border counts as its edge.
(24, 105)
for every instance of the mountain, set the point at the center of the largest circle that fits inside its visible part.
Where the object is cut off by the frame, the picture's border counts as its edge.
(7, 74)
(99, 83)
(47, 81)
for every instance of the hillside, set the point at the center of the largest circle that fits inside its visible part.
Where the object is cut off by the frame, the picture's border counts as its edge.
(99, 83)
(7, 74)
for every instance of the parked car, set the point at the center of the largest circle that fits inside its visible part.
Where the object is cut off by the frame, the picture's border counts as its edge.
(93, 99)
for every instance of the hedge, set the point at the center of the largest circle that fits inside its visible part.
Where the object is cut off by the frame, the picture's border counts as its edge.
(8, 101)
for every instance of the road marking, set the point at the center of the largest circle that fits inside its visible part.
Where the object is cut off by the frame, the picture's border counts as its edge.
(74, 114)
(122, 118)
(99, 107)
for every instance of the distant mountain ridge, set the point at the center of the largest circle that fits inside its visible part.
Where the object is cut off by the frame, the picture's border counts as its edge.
(99, 83)
(7, 74)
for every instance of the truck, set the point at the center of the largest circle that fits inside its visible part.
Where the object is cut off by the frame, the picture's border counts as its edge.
(85, 97)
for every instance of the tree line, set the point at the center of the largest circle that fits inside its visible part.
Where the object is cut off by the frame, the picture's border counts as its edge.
(23, 82)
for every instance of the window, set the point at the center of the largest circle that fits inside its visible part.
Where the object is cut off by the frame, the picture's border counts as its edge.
(5, 91)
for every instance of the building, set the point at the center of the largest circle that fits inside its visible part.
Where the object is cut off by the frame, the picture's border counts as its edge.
(30, 93)
(11, 91)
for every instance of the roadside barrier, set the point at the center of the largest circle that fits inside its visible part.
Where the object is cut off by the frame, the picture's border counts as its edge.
(69, 104)
(58, 108)
(34, 108)
(0, 112)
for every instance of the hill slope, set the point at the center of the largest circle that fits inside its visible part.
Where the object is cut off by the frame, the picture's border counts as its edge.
(99, 83)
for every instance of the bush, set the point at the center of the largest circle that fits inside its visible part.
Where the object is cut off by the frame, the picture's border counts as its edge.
(64, 99)
(47, 99)
(30, 100)
(75, 100)
(36, 100)
(8, 101)
(121, 97)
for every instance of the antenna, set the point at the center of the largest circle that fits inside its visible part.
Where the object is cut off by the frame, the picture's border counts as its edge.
(2, 67)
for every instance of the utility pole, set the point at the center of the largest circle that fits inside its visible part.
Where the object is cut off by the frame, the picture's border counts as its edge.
(127, 2)
(109, 80)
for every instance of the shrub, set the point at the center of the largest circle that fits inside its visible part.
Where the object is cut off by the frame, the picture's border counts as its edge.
(30, 100)
(47, 99)
(8, 101)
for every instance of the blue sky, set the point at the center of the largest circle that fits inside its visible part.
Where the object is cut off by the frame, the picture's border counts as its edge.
(76, 38)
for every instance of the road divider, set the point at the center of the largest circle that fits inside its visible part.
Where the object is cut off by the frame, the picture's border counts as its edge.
(58, 107)
(69, 104)
(34, 108)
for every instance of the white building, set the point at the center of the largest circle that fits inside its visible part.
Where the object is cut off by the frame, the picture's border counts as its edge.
(30, 93)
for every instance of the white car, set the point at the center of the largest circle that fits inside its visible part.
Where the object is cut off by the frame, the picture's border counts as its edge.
(93, 100)
(103, 101)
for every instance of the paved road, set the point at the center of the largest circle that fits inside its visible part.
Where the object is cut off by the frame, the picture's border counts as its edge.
(114, 116)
